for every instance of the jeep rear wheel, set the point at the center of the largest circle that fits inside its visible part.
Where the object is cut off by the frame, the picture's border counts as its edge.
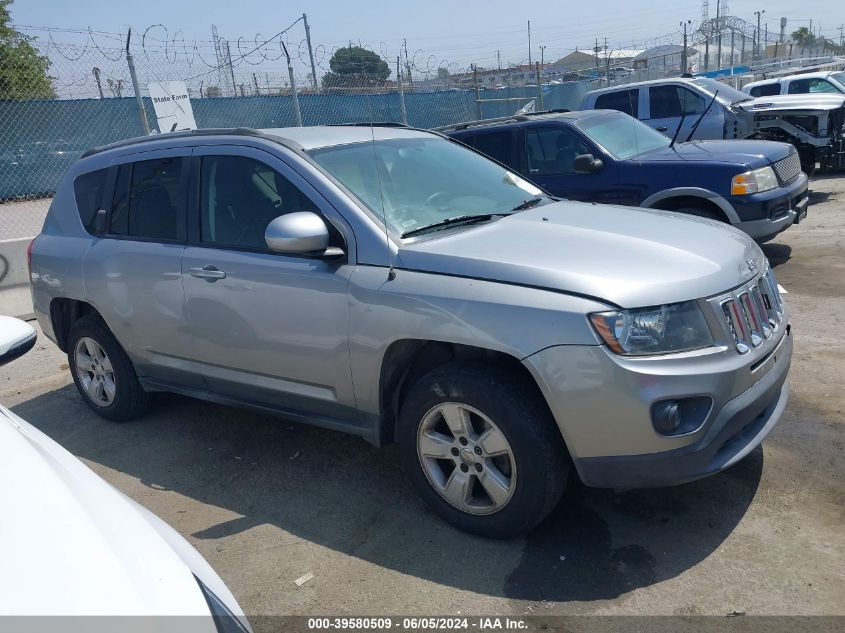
(482, 449)
(102, 372)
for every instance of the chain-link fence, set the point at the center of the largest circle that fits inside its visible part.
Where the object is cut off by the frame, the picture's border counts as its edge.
(75, 89)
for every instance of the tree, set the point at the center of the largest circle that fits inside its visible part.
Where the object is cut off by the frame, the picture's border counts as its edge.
(212, 91)
(355, 66)
(803, 37)
(23, 70)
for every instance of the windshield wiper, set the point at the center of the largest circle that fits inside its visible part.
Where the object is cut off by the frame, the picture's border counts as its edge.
(527, 204)
(457, 220)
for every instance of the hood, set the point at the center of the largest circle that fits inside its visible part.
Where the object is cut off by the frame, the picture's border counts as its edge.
(626, 256)
(751, 153)
(73, 545)
(792, 103)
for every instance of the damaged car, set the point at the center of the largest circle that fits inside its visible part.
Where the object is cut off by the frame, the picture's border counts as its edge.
(705, 109)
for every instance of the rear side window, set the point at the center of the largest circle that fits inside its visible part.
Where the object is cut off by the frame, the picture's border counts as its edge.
(88, 190)
(767, 90)
(625, 101)
(498, 146)
(553, 150)
(149, 200)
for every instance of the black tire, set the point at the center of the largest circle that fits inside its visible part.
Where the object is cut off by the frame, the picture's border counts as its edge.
(130, 399)
(700, 213)
(515, 406)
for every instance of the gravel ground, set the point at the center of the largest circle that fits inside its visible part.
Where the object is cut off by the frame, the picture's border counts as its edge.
(267, 501)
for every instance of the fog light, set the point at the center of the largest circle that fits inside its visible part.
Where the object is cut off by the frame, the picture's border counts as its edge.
(666, 417)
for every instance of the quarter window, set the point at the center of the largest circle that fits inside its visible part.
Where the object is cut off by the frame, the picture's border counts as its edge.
(88, 190)
(624, 101)
(239, 197)
(553, 150)
(149, 200)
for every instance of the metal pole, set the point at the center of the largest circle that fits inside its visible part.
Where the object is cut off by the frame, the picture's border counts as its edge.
(310, 53)
(477, 97)
(139, 100)
(742, 52)
(733, 50)
(539, 87)
(766, 41)
(402, 111)
(684, 53)
(96, 72)
(255, 81)
(231, 70)
(719, 41)
(297, 115)
(529, 43)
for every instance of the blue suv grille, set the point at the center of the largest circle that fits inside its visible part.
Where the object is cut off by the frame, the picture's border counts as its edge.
(788, 168)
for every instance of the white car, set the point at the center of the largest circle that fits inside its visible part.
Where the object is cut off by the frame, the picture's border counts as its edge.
(826, 82)
(74, 545)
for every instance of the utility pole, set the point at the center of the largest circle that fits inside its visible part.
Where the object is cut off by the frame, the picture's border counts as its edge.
(231, 70)
(139, 101)
(783, 29)
(684, 60)
(596, 50)
(529, 43)
(841, 27)
(403, 113)
(297, 115)
(719, 38)
(407, 64)
(499, 59)
(542, 56)
(310, 52)
(758, 14)
(766, 41)
(255, 81)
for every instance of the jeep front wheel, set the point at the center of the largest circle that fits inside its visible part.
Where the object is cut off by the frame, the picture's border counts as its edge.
(482, 449)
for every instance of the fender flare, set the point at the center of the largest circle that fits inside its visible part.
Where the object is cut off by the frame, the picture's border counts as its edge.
(693, 192)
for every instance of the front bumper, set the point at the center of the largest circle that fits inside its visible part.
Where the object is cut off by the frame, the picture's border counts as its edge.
(603, 407)
(763, 215)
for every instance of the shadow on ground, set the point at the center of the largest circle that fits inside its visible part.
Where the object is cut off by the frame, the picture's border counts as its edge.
(777, 254)
(341, 493)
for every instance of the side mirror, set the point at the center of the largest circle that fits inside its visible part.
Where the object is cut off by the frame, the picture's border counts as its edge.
(587, 164)
(301, 233)
(16, 338)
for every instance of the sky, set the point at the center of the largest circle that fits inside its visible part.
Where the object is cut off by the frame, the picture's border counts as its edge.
(438, 32)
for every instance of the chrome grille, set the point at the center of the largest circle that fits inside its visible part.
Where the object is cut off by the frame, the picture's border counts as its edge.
(753, 312)
(788, 168)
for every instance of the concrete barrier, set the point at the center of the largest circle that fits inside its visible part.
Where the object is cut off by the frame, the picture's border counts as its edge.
(15, 298)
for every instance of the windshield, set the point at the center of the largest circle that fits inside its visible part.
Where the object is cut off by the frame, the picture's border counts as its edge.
(727, 94)
(622, 136)
(421, 182)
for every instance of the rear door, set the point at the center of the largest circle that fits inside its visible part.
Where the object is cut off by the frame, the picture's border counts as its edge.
(550, 152)
(267, 328)
(133, 272)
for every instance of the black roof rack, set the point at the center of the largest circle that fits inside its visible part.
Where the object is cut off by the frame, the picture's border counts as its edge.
(372, 124)
(234, 131)
(523, 116)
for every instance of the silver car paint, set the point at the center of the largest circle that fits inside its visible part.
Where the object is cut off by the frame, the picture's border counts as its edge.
(311, 335)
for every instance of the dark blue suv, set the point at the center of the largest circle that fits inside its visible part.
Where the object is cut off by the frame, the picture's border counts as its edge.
(610, 157)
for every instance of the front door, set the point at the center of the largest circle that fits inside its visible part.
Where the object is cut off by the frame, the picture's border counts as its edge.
(268, 329)
(671, 106)
(550, 163)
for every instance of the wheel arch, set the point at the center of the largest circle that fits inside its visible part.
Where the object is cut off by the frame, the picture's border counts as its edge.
(64, 313)
(672, 199)
(407, 360)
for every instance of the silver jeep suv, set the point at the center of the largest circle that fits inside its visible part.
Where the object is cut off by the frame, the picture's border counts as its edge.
(392, 284)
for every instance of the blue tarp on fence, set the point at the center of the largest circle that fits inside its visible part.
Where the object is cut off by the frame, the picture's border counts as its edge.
(40, 139)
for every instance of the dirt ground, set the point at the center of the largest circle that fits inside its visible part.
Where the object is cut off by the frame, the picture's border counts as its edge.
(266, 501)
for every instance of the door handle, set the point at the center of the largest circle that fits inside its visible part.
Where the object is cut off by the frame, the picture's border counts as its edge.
(662, 129)
(209, 273)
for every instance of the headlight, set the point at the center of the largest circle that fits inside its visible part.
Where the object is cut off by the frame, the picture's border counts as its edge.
(678, 327)
(224, 619)
(755, 181)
